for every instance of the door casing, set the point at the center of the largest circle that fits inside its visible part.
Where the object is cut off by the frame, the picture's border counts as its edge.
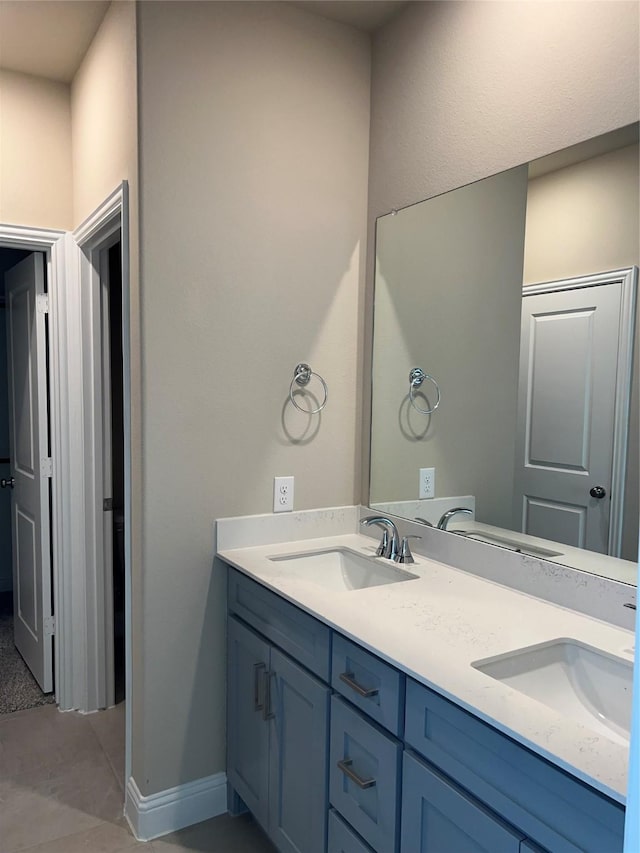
(72, 262)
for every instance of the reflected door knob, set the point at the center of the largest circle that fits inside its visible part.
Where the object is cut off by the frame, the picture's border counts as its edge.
(7, 484)
(598, 492)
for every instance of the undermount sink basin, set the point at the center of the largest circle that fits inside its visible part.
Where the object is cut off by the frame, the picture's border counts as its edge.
(579, 681)
(343, 569)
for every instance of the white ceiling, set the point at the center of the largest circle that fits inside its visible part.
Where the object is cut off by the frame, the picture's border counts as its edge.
(49, 38)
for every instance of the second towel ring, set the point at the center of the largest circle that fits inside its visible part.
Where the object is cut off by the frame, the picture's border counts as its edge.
(301, 377)
(416, 378)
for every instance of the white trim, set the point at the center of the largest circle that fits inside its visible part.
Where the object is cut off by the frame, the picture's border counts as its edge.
(628, 279)
(93, 235)
(167, 811)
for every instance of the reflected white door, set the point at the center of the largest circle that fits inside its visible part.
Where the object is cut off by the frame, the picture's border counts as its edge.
(30, 466)
(566, 406)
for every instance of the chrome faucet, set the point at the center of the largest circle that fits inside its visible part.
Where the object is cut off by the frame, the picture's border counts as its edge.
(448, 515)
(389, 545)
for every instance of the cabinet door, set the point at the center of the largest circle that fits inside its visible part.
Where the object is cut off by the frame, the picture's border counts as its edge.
(247, 728)
(299, 730)
(438, 817)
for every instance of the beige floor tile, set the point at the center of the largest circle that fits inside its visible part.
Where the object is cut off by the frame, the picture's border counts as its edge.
(43, 743)
(104, 838)
(109, 728)
(34, 812)
(222, 834)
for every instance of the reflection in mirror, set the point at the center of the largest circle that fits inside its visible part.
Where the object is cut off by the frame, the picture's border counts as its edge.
(517, 295)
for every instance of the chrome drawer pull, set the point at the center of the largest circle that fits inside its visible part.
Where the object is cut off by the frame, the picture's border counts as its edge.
(345, 766)
(257, 669)
(349, 680)
(267, 713)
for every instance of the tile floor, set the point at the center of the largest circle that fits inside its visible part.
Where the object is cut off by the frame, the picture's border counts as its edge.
(62, 791)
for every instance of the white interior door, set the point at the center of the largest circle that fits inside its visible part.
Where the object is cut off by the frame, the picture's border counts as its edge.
(566, 407)
(30, 466)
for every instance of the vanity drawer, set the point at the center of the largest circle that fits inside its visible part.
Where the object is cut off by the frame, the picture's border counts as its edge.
(371, 684)
(550, 807)
(439, 817)
(364, 776)
(304, 638)
(342, 839)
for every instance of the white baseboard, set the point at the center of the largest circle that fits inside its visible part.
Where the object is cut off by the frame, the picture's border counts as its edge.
(167, 811)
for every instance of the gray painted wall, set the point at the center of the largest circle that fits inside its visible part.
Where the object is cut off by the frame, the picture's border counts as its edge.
(254, 135)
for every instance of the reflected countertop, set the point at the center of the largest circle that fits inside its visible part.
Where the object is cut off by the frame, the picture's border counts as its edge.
(434, 627)
(613, 568)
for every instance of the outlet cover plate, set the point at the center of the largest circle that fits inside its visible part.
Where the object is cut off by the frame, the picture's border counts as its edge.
(427, 484)
(283, 494)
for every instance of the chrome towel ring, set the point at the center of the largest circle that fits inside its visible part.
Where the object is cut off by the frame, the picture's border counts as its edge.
(416, 378)
(301, 377)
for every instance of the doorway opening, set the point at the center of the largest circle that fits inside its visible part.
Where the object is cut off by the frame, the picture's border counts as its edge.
(23, 683)
(113, 465)
(27, 617)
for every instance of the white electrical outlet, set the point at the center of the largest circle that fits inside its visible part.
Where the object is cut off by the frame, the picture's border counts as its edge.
(283, 494)
(427, 485)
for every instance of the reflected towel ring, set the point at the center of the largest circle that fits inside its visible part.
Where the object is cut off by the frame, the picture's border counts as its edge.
(416, 378)
(301, 377)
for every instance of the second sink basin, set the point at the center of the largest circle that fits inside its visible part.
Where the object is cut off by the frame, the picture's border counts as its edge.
(577, 680)
(343, 569)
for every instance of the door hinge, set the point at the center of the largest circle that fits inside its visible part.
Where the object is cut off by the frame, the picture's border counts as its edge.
(49, 626)
(46, 467)
(42, 303)
(107, 504)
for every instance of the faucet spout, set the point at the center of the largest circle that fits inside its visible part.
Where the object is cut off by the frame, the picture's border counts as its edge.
(389, 545)
(448, 515)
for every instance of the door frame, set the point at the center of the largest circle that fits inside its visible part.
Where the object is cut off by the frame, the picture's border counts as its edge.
(628, 279)
(78, 582)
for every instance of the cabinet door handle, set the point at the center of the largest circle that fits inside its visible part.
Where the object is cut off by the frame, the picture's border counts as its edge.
(349, 680)
(267, 713)
(257, 669)
(345, 766)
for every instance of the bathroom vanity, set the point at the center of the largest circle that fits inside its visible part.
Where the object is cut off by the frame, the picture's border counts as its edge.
(371, 707)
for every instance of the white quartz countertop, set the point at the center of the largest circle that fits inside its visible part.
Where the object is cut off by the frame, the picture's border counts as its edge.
(433, 628)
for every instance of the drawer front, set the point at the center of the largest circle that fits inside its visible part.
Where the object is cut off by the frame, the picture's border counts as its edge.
(553, 809)
(342, 839)
(371, 684)
(439, 817)
(364, 776)
(306, 639)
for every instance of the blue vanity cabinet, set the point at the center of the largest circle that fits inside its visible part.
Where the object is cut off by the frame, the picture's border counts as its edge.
(364, 776)
(248, 657)
(334, 750)
(372, 685)
(439, 817)
(342, 838)
(297, 758)
(550, 808)
(278, 726)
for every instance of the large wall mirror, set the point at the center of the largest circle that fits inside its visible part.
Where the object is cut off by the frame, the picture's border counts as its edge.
(515, 297)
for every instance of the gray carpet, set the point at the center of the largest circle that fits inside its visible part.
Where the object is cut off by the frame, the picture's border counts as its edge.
(18, 688)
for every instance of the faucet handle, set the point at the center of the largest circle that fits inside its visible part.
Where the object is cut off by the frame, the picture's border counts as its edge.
(405, 555)
(383, 548)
